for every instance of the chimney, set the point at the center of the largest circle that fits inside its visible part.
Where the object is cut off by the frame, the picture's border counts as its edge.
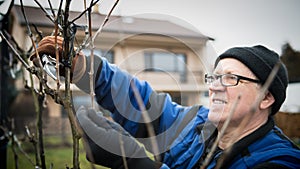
(95, 8)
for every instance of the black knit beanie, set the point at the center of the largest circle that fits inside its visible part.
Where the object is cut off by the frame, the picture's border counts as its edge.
(261, 61)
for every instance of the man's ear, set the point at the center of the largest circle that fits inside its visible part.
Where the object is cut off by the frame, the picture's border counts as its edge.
(267, 101)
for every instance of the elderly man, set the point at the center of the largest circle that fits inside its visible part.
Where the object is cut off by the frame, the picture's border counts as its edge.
(188, 137)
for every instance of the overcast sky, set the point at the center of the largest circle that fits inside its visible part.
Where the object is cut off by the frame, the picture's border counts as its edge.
(230, 22)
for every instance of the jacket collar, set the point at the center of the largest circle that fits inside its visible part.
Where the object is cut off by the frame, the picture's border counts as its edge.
(241, 147)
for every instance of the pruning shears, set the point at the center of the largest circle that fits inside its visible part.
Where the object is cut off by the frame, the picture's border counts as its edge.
(49, 66)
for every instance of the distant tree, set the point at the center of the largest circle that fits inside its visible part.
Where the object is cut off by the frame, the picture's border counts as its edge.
(291, 58)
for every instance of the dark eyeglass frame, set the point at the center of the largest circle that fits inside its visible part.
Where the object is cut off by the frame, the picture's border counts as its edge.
(215, 77)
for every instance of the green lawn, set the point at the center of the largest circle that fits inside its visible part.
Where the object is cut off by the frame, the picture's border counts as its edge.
(57, 154)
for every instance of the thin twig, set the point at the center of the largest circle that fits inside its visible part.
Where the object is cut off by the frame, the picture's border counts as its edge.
(34, 142)
(15, 141)
(82, 13)
(105, 21)
(44, 10)
(87, 149)
(57, 48)
(26, 21)
(68, 96)
(86, 146)
(37, 110)
(123, 151)
(145, 115)
(53, 13)
(39, 33)
(39, 130)
(47, 14)
(91, 72)
(221, 133)
(12, 40)
(15, 52)
(39, 107)
(30, 35)
(147, 121)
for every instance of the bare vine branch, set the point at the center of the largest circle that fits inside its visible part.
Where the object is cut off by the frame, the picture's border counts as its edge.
(67, 58)
(91, 72)
(38, 102)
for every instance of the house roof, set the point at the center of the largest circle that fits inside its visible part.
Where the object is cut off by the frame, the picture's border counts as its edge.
(131, 25)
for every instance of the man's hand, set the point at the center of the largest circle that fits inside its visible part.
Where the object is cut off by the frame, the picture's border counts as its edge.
(46, 48)
(109, 139)
(108, 134)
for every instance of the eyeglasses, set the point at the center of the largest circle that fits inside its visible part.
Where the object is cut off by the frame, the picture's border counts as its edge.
(227, 79)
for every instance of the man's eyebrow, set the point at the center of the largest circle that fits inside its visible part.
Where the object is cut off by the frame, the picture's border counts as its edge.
(223, 72)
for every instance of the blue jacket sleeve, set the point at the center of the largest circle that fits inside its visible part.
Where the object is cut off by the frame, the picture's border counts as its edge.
(117, 90)
(114, 92)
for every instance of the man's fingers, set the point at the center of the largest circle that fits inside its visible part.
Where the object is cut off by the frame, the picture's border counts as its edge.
(47, 46)
(101, 121)
(51, 40)
(86, 122)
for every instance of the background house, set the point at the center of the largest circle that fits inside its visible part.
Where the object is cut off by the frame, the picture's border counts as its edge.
(167, 55)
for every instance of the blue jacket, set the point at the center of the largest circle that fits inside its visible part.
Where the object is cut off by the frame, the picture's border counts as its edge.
(183, 133)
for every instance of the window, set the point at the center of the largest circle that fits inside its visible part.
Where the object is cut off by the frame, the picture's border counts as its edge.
(108, 54)
(165, 61)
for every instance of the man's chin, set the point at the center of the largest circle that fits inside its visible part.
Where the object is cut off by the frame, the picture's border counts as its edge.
(215, 117)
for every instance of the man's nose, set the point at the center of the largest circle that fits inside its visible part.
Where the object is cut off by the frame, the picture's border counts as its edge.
(216, 85)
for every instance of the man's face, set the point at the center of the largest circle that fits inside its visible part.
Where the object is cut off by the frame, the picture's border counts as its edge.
(223, 98)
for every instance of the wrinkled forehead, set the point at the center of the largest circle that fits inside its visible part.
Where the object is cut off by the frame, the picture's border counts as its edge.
(233, 66)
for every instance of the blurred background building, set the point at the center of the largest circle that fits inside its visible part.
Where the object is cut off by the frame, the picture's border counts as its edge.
(167, 55)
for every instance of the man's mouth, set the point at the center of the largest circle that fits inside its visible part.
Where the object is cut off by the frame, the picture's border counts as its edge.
(219, 101)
